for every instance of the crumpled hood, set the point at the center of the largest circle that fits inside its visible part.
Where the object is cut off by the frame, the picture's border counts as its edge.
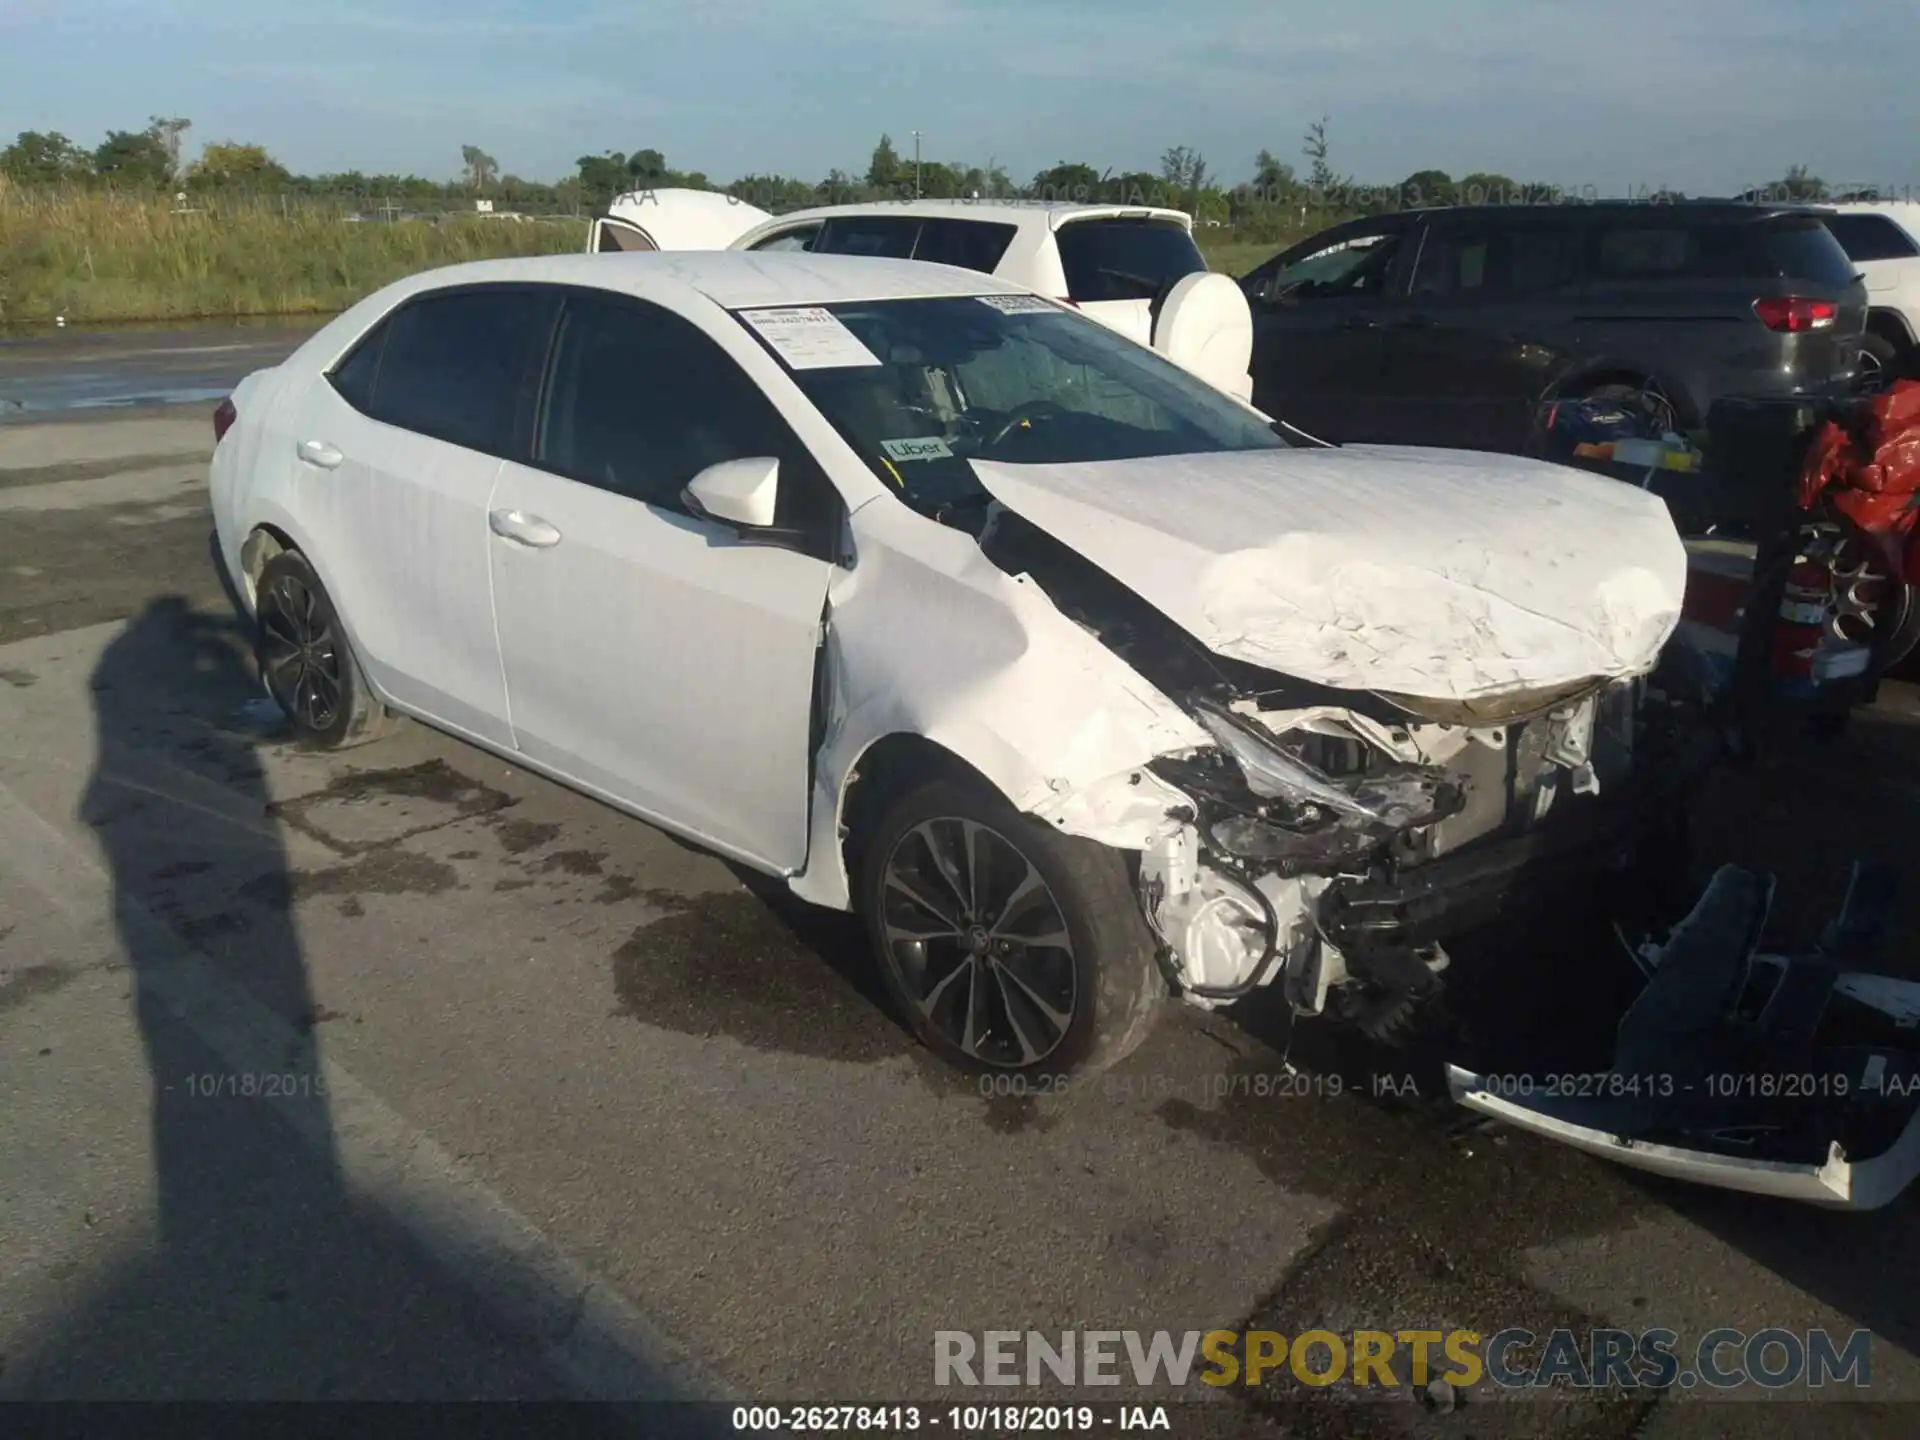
(1445, 574)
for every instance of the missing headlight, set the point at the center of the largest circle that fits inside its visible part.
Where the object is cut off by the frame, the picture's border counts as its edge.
(1268, 806)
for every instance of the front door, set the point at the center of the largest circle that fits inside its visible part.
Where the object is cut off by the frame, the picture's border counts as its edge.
(1317, 338)
(652, 656)
(1482, 333)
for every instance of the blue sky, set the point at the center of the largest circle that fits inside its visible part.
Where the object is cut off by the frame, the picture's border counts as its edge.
(1704, 95)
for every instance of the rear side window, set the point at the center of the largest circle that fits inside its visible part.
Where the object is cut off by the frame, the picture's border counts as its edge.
(1871, 237)
(1122, 259)
(969, 244)
(1631, 250)
(890, 236)
(461, 367)
(1807, 250)
(354, 376)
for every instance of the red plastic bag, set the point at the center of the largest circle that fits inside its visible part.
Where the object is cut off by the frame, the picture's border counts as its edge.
(1875, 449)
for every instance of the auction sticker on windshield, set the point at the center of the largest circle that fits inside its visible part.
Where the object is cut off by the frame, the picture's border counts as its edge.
(1016, 304)
(809, 338)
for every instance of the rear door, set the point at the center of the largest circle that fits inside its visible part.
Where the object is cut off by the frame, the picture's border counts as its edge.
(651, 656)
(1119, 266)
(1317, 343)
(397, 453)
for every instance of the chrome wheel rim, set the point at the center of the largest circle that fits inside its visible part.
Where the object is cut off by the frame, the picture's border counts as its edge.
(299, 654)
(1869, 375)
(978, 943)
(1868, 604)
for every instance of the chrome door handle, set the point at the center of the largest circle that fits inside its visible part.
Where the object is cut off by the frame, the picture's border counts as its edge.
(319, 452)
(525, 529)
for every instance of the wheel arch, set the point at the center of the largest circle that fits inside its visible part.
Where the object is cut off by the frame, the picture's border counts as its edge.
(1588, 376)
(886, 768)
(272, 532)
(1890, 324)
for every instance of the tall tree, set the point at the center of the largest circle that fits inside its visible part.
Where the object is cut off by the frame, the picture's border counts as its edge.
(43, 158)
(481, 168)
(1320, 176)
(226, 164)
(133, 157)
(601, 178)
(1184, 170)
(1485, 188)
(884, 170)
(1066, 180)
(647, 169)
(1273, 180)
(1426, 187)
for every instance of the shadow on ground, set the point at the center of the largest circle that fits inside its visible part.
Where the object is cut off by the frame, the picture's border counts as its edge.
(266, 1277)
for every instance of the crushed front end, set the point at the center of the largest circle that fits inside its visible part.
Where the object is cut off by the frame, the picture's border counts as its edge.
(1334, 839)
(1336, 847)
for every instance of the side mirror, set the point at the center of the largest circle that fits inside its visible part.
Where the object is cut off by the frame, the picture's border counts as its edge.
(736, 492)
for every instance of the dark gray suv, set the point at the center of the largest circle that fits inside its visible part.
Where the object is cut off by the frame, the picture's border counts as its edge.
(1450, 326)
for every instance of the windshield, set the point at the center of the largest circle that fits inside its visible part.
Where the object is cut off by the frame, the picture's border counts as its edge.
(919, 388)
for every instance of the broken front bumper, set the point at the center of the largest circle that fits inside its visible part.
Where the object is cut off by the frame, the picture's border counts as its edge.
(1797, 1077)
(1836, 1181)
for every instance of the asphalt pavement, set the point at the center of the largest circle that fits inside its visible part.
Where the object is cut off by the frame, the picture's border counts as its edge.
(406, 1074)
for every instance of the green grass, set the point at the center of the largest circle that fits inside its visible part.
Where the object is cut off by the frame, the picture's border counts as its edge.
(1236, 257)
(98, 257)
(94, 256)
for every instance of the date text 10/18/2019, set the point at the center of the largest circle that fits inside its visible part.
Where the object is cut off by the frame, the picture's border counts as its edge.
(954, 1419)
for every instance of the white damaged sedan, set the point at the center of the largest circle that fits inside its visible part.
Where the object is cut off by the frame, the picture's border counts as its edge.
(1082, 682)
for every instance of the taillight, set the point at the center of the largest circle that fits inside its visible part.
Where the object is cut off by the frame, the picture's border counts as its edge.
(223, 418)
(1791, 314)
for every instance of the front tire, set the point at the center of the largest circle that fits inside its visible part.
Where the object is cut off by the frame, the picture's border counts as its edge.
(1006, 946)
(306, 661)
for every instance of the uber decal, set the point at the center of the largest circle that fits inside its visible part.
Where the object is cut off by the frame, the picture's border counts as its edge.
(932, 447)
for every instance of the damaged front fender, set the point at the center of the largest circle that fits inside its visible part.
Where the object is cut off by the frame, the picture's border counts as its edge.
(927, 637)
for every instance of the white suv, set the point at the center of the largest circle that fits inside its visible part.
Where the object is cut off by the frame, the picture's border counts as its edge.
(1134, 268)
(1882, 237)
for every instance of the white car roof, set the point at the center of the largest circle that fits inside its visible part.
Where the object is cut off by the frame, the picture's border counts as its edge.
(735, 279)
(1026, 214)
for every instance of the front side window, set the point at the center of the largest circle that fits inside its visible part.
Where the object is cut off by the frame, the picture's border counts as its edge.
(921, 388)
(1454, 262)
(801, 237)
(1354, 265)
(641, 401)
(462, 366)
(889, 236)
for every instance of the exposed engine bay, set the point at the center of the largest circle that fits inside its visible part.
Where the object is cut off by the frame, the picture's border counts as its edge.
(1335, 837)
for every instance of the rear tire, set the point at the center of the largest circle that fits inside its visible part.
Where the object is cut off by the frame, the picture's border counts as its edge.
(307, 663)
(1880, 364)
(1008, 947)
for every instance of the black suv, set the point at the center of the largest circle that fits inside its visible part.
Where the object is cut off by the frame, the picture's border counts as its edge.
(1450, 326)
